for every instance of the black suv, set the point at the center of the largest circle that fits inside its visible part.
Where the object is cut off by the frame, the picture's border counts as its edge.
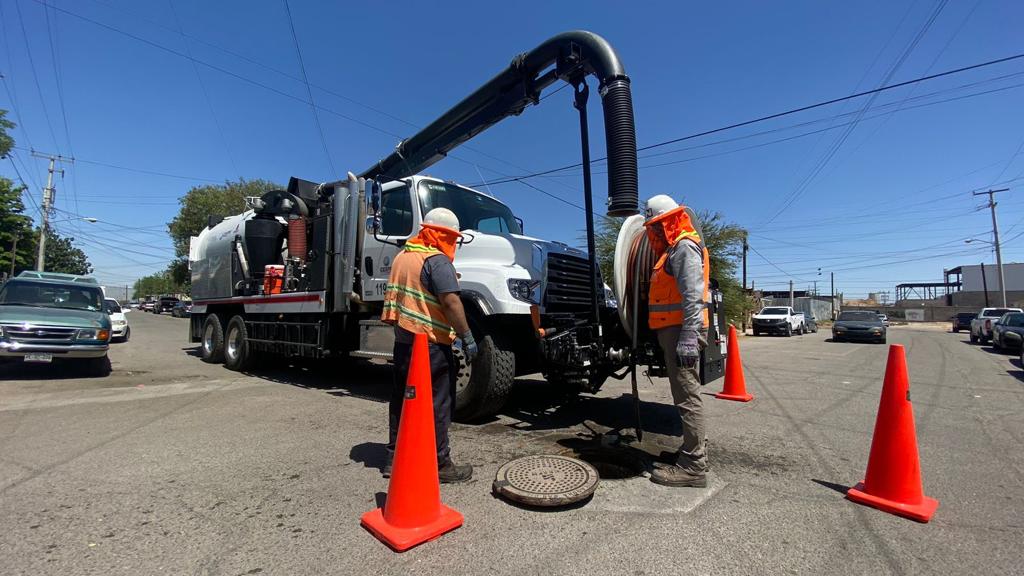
(962, 321)
(164, 304)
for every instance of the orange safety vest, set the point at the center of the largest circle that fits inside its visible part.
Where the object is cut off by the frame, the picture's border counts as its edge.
(408, 304)
(664, 301)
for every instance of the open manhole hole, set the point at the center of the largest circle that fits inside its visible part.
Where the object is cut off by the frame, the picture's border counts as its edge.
(611, 464)
(546, 480)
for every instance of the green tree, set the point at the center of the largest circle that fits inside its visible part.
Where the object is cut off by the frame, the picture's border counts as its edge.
(63, 256)
(6, 142)
(14, 224)
(724, 242)
(155, 285)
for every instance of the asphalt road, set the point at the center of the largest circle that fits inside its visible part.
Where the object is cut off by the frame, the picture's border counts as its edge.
(173, 466)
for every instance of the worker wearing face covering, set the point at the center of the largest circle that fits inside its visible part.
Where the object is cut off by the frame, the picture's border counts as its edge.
(677, 313)
(422, 297)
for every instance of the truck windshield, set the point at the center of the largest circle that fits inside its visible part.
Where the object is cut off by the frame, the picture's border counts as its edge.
(23, 293)
(475, 211)
(775, 311)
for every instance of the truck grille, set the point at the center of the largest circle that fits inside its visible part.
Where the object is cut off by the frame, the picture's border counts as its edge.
(568, 284)
(21, 333)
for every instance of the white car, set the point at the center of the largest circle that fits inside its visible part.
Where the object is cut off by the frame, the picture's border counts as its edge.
(119, 329)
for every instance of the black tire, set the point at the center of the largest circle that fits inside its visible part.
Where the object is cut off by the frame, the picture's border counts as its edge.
(757, 332)
(996, 345)
(97, 367)
(489, 381)
(955, 329)
(236, 345)
(211, 344)
(974, 339)
(789, 330)
(127, 334)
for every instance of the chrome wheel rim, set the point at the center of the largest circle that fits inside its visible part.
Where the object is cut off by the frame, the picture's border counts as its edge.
(234, 343)
(208, 339)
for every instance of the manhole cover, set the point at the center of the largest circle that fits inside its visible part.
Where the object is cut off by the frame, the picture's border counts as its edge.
(546, 480)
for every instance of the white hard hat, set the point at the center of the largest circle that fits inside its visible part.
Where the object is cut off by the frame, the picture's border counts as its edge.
(658, 205)
(442, 217)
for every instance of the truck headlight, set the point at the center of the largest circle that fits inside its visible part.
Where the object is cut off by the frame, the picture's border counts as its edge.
(93, 334)
(525, 290)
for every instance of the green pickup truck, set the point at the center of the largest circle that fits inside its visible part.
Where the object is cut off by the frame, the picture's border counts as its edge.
(47, 317)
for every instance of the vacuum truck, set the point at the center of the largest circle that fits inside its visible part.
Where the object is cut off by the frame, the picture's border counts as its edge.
(302, 273)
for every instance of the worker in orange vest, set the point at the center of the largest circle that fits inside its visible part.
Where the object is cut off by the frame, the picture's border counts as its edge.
(678, 314)
(422, 297)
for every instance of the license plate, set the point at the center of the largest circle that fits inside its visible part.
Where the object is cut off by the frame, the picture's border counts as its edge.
(38, 357)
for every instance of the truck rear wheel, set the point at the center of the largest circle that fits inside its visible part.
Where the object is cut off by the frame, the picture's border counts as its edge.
(236, 345)
(481, 390)
(212, 344)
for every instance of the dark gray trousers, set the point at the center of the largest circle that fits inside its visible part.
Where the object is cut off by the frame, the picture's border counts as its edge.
(442, 385)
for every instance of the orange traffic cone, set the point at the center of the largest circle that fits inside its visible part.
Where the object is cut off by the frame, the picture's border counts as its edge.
(893, 480)
(413, 513)
(735, 384)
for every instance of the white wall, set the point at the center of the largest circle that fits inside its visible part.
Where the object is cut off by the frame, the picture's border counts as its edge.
(972, 277)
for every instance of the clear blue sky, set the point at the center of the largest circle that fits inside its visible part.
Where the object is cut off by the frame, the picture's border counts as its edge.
(891, 204)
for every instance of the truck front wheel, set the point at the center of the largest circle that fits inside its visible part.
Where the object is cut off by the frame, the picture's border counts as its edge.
(212, 346)
(789, 330)
(482, 389)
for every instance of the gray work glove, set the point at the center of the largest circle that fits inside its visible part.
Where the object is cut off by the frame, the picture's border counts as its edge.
(469, 348)
(688, 348)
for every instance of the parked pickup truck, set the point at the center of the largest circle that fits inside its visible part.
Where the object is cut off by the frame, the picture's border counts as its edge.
(779, 320)
(981, 327)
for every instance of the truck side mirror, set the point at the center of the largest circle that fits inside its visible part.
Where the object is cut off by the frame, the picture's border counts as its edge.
(373, 202)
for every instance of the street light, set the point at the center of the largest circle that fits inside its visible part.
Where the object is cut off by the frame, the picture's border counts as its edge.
(969, 240)
(88, 219)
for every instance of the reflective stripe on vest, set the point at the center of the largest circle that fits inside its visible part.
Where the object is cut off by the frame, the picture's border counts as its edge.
(665, 302)
(408, 303)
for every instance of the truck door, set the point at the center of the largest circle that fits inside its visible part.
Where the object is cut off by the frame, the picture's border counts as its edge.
(395, 224)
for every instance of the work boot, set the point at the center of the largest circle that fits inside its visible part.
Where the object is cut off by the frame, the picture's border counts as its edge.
(449, 472)
(388, 465)
(675, 476)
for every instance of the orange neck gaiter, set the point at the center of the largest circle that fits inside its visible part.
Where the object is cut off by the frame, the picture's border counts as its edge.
(437, 237)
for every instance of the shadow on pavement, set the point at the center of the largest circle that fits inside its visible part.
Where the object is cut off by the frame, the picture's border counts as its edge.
(536, 405)
(369, 454)
(832, 486)
(341, 378)
(56, 370)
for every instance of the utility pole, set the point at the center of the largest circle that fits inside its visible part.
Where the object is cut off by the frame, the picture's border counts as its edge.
(984, 283)
(14, 253)
(791, 301)
(832, 277)
(995, 234)
(48, 197)
(745, 248)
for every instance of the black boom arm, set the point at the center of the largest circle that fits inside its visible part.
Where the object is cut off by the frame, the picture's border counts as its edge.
(574, 55)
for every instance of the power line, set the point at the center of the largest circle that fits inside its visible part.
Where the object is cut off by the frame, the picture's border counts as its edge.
(309, 91)
(778, 115)
(202, 89)
(833, 149)
(35, 77)
(138, 170)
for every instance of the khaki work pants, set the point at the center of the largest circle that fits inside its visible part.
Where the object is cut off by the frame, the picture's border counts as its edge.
(685, 385)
